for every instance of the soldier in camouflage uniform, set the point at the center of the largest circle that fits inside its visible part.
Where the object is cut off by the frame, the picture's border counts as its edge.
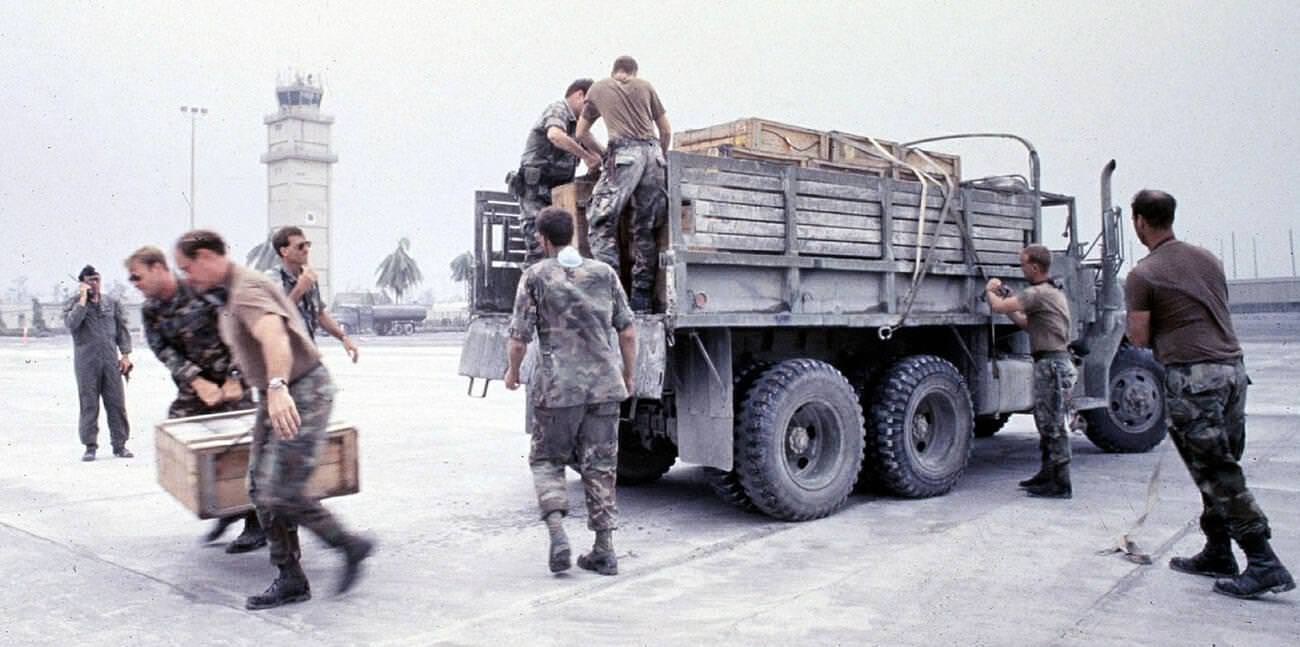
(181, 328)
(1178, 304)
(269, 342)
(99, 333)
(1044, 312)
(634, 171)
(578, 309)
(550, 159)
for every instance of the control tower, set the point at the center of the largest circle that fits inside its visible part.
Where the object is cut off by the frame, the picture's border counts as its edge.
(298, 169)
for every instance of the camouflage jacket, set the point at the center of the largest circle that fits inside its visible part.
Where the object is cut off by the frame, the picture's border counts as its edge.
(183, 332)
(555, 164)
(577, 310)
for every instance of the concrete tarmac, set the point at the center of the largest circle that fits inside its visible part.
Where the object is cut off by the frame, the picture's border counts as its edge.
(97, 554)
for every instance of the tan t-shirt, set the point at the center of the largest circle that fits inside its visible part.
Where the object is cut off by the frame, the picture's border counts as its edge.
(1184, 289)
(629, 107)
(1048, 313)
(251, 296)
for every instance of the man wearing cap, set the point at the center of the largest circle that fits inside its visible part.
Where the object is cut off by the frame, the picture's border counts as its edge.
(101, 356)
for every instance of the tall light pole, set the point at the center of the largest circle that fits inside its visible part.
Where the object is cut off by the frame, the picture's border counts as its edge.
(194, 113)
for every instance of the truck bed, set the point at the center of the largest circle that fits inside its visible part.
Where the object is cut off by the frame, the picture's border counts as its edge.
(754, 243)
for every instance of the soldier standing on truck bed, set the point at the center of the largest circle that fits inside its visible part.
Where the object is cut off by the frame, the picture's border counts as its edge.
(267, 339)
(578, 308)
(1043, 311)
(299, 282)
(634, 170)
(550, 159)
(180, 325)
(1178, 304)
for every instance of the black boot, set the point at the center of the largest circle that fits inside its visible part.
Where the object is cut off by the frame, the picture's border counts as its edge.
(219, 528)
(1215, 560)
(1043, 472)
(356, 550)
(601, 559)
(90, 453)
(252, 538)
(1264, 571)
(1057, 486)
(289, 586)
(603, 563)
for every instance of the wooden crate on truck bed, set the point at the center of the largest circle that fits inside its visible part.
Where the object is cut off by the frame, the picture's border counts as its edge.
(203, 462)
(766, 140)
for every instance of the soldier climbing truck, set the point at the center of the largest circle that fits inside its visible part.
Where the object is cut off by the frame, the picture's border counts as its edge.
(821, 329)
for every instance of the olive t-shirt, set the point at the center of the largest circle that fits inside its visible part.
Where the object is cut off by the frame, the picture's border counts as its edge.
(630, 107)
(251, 296)
(1048, 313)
(1184, 289)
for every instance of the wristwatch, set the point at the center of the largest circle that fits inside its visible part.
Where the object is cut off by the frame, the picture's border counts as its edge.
(276, 383)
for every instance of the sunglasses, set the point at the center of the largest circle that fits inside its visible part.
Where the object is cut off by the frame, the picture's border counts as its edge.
(306, 244)
(134, 278)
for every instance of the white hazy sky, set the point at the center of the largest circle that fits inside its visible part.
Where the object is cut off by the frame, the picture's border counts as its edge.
(432, 100)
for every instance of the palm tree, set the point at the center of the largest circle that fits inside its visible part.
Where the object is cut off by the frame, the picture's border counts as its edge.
(399, 272)
(462, 270)
(263, 257)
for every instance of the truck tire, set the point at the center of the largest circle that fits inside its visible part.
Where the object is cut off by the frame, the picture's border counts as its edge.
(381, 328)
(986, 426)
(637, 463)
(799, 440)
(726, 483)
(921, 427)
(1134, 421)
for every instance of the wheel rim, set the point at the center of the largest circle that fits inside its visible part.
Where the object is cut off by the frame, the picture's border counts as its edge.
(931, 425)
(812, 446)
(1134, 400)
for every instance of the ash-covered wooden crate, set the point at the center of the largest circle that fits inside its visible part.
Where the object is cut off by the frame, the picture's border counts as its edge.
(770, 141)
(203, 462)
(764, 138)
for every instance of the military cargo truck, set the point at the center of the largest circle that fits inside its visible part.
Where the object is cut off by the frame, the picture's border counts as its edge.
(819, 330)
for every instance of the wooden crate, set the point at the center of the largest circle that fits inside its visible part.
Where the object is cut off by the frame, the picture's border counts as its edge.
(848, 151)
(203, 462)
(573, 197)
(756, 135)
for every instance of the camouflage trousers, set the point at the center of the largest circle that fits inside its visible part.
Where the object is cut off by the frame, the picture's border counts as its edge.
(1206, 405)
(1053, 380)
(535, 198)
(278, 471)
(634, 171)
(585, 438)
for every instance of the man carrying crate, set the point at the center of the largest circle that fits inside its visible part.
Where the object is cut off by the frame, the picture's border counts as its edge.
(180, 325)
(277, 355)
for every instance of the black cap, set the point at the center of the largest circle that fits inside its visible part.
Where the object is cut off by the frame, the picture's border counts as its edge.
(88, 270)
